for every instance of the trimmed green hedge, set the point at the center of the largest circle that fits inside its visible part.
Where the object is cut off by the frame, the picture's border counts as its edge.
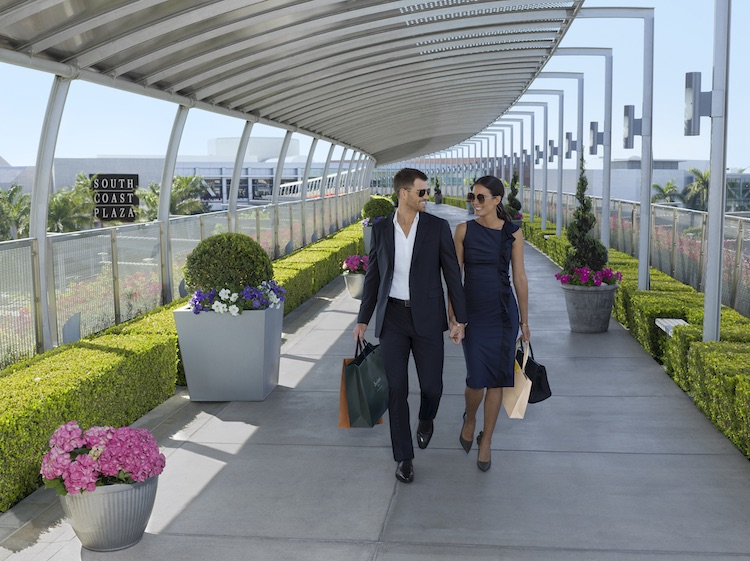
(156, 322)
(105, 380)
(684, 336)
(719, 375)
(116, 377)
(648, 305)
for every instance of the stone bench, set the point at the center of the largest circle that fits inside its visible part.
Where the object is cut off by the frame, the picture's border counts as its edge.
(668, 324)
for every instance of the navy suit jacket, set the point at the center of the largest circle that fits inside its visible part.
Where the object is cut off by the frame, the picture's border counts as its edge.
(434, 252)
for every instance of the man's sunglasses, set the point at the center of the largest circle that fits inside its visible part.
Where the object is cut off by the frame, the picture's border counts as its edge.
(480, 197)
(422, 192)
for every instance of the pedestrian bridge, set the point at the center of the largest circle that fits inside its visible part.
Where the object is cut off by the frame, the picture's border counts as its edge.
(617, 465)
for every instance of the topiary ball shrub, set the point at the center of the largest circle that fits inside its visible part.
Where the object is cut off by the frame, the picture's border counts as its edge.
(377, 207)
(227, 261)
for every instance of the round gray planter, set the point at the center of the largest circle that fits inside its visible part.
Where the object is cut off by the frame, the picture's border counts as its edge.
(355, 284)
(111, 517)
(589, 307)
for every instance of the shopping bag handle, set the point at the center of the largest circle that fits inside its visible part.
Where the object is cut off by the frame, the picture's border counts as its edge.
(526, 350)
(361, 346)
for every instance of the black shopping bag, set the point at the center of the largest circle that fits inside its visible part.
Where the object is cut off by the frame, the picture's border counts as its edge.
(366, 386)
(537, 373)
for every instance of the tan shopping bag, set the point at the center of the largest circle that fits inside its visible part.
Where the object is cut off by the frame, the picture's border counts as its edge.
(516, 399)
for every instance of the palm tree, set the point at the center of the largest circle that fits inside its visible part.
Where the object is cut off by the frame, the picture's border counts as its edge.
(668, 193)
(15, 209)
(186, 197)
(695, 195)
(4, 225)
(71, 210)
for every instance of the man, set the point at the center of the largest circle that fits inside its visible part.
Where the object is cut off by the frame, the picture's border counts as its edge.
(403, 288)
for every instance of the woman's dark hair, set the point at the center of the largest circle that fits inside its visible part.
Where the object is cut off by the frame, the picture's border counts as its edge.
(496, 187)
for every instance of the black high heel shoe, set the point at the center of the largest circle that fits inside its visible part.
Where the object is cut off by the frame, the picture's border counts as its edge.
(483, 466)
(465, 444)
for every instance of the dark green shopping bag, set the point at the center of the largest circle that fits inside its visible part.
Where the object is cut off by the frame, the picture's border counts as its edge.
(366, 386)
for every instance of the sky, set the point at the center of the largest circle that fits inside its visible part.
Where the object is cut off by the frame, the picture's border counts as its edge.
(100, 121)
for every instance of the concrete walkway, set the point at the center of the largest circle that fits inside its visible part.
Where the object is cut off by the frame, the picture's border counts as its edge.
(617, 465)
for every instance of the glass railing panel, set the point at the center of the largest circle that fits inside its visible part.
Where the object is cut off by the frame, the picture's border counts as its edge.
(296, 218)
(184, 234)
(328, 217)
(138, 259)
(320, 226)
(662, 232)
(248, 222)
(215, 223)
(17, 317)
(266, 216)
(741, 296)
(689, 247)
(286, 243)
(84, 291)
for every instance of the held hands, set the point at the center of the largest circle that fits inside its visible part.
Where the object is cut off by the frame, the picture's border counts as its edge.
(457, 331)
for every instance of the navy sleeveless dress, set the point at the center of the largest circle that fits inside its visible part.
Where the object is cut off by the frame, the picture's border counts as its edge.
(490, 340)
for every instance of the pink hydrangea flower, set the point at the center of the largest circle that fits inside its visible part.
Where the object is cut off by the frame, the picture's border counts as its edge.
(55, 463)
(67, 437)
(81, 475)
(98, 436)
(356, 263)
(78, 461)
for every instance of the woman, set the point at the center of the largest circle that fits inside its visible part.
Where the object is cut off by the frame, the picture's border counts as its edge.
(485, 248)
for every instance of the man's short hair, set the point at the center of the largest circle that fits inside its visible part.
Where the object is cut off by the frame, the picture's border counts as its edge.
(405, 178)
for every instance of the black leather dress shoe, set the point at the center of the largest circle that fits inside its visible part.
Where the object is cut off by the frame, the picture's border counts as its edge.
(424, 433)
(405, 471)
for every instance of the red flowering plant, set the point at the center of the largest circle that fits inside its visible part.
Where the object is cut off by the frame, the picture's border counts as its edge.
(585, 264)
(356, 264)
(80, 460)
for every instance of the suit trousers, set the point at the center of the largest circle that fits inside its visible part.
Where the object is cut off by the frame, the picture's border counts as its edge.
(397, 339)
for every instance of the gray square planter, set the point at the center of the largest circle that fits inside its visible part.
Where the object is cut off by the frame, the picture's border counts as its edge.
(230, 358)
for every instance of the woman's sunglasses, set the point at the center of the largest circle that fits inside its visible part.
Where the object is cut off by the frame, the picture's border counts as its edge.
(480, 197)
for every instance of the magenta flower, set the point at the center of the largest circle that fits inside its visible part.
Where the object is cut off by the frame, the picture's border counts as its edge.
(81, 475)
(583, 276)
(356, 264)
(98, 436)
(67, 437)
(79, 461)
(55, 463)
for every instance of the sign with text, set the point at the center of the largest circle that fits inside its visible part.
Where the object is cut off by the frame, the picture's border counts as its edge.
(114, 196)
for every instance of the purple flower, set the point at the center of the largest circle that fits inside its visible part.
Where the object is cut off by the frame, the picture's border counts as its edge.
(372, 221)
(268, 294)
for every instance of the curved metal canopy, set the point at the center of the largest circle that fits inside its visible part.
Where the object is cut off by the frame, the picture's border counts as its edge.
(394, 79)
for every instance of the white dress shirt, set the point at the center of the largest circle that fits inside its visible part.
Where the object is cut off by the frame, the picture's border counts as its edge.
(404, 246)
